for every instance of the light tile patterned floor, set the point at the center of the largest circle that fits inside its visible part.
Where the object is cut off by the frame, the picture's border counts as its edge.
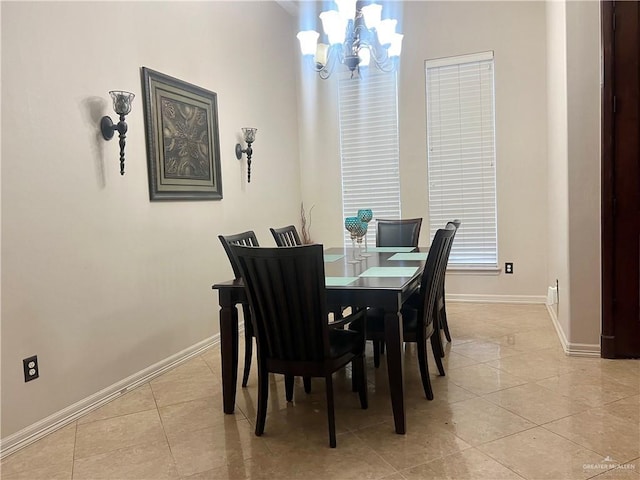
(512, 406)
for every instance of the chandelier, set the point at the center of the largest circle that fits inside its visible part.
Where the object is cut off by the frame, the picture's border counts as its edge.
(357, 36)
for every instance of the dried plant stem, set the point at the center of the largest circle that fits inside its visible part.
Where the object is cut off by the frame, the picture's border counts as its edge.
(305, 224)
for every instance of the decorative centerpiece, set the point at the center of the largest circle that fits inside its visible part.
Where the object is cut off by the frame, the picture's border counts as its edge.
(365, 215)
(361, 232)
(353, 225)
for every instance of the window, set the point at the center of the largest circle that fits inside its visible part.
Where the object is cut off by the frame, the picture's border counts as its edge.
(461, 155)
(368, 114)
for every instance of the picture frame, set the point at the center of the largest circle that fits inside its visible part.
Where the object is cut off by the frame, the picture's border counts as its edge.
(182, 135)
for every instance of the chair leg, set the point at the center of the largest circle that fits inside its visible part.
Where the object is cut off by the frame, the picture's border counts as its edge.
(248, 348)
(263, 396)
(424, 368)
(307, 384)
(437, 347)
(376, 353)
(355, 382)
(331, 412)
(436, 341)
(288, 387)
(360, 375)
(444, 324)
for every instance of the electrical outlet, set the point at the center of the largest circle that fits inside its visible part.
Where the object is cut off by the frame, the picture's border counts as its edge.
(508, 267)
(30, 366)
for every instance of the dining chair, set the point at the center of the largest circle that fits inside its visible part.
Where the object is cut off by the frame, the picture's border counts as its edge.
(398, 233)
(395, 233)
(440, 315)
(441, 304)
(248, 239)
(440, 309)
(418, 319)
(287, 293)
(286, 236)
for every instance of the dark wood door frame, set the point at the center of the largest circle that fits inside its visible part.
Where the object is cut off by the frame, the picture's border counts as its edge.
(620, 202)
(607, 342)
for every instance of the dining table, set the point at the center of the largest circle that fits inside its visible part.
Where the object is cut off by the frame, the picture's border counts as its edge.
(382, 277)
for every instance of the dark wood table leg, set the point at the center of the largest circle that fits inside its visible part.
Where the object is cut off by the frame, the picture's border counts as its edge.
(394, 341)
(228, 349)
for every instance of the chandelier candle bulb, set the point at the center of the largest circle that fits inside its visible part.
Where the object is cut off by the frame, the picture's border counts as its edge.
(364, 54)
(372, 14)
(308, 40)
(386, 29)
(322, 53)
(396, 45)
(334, 25)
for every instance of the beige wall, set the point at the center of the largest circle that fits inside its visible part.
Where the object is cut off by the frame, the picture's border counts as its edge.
(97, 281)
(516, 31)
(558, 171)
(583, 107)
(574, 170)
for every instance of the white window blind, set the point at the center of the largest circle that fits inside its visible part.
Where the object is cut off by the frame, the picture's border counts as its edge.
(368, 114)
(461, 155)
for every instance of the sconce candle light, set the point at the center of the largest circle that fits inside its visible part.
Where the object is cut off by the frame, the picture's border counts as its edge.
(249, 137)
(122, 106)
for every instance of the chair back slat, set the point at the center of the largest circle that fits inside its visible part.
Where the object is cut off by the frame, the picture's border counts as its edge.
(286, 236)
(398, 233)
(286, 290)
(247, 238)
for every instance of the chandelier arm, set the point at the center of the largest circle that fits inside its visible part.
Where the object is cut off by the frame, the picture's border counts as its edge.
(384, 62)
(333, 56)
(387, 67)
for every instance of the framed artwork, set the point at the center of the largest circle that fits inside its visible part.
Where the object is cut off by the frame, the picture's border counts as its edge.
(183, 146)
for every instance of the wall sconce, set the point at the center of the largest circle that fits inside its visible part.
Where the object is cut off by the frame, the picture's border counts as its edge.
(249, 137)
(122, 106)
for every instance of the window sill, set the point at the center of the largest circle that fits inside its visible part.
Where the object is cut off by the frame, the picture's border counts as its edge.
(470, 270)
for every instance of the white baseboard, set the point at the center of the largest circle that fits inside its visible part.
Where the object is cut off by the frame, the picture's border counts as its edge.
(572, 349)
(36, 431)
(583, 350)
(554, 317)
(479, 298)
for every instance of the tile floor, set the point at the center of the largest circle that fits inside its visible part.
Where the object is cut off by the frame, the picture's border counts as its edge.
(512, 406)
